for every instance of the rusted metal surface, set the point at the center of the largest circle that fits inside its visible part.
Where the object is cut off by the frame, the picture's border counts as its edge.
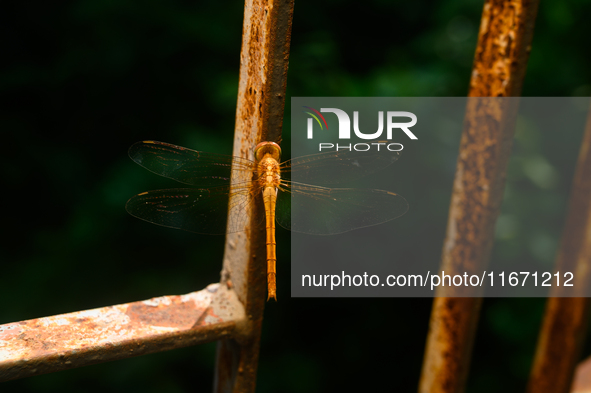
(259, 116)
(504, 43)
(60, 342)
(499, 66)
(565, 319)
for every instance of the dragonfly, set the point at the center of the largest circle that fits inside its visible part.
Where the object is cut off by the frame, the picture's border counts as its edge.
(223, 186)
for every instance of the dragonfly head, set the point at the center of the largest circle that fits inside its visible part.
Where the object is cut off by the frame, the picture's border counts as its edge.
(265, 148)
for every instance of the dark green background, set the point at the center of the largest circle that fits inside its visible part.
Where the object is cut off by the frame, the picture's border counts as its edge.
(81, 81)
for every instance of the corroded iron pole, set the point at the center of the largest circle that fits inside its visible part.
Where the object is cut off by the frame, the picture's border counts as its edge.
(500, 61)
(259, 116)
(565, 319)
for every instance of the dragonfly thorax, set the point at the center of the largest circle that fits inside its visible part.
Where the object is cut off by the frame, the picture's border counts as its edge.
(267, 156)
(269, 172)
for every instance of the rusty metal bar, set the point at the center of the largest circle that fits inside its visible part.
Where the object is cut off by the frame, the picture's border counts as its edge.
(61, 342)
(500, 61)
(264, 59)
(565, 319)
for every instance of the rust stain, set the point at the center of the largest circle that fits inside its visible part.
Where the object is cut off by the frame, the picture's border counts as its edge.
(500, 61)
(504, 44)
(171, 312)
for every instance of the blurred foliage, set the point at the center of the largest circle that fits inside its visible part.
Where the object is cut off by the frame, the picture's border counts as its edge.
(82, 80)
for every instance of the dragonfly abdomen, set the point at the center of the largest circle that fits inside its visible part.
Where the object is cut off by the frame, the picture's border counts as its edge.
(270, 199)
(267, 155)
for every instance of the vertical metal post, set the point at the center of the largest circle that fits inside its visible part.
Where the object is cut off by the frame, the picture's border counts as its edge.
(264, 59)
(565, 319)
(506, 32)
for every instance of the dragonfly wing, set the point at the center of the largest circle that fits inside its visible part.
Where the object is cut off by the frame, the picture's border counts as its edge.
(327, 211)
(336, 166)
(189, 166)
(193, 209)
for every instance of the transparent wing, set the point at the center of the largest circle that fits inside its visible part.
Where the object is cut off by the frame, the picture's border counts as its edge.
(189, 166)
(301, 208)
(326, 211)
(194, 209)
(337, 166)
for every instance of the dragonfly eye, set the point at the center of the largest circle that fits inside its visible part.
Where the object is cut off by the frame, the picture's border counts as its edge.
(267, 148)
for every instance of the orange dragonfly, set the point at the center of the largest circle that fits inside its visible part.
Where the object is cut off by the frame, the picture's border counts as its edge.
(226, 184)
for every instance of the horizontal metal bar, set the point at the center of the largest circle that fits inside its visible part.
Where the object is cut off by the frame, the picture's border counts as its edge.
(61, 342)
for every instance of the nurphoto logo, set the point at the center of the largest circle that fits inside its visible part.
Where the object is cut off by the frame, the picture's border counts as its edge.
(393, 123)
